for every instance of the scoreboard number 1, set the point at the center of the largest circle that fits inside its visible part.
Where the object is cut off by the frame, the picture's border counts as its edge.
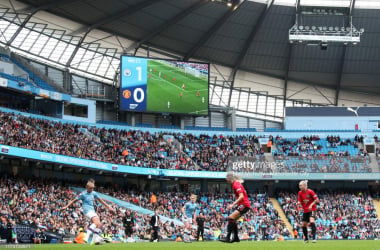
(133, 84)
(139, 77)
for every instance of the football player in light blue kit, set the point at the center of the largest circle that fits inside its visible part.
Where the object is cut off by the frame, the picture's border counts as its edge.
(88, 197)
(189, 215)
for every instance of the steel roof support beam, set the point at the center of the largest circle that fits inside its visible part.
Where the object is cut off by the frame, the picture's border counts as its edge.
(34, 10)
(286, 77)
(289, 58)
(247, 44)
(340, 75)
(166, 25)
(211, 31)
(298, 4)
(343, 58)
(125, 12)
(352, 6)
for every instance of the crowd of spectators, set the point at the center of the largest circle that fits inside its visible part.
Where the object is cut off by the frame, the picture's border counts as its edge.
(202, 67)
(262, 222)
(126, 147)
(213, 153)
(37, 203)
(330, 155)
(339, 215)
(182, 151)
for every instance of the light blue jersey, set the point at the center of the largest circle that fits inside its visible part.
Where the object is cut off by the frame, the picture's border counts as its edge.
(190, 209)
(87, 200)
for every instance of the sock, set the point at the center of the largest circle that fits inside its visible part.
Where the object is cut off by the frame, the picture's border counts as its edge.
(230, 228)
(89, 231)
(97, 232)
(304, 230)
(313, 230)
(187, 234)
(95, 238)
(235, 230)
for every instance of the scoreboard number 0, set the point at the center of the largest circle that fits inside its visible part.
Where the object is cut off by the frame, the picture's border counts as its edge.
(138, 95)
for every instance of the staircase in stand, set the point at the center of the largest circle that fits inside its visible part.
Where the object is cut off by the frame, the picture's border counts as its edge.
(374, 164)
(282, 215)
(376, 204)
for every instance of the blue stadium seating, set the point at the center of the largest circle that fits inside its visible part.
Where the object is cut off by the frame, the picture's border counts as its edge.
(246, 130)
(112, 123)
(144, 125)
(38, 81)
(207, 128)
(169, 127)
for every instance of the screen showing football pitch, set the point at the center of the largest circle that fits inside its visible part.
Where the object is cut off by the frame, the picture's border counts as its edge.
(164, 86)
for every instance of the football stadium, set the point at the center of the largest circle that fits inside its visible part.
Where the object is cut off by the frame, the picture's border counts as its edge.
(189, 124)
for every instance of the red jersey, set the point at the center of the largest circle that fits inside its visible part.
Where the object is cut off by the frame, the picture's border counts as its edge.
(306, 198)
(238, 188)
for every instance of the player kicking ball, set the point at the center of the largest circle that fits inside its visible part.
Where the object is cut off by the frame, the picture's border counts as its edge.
(88, 197)
(307, 200)
(242, 203)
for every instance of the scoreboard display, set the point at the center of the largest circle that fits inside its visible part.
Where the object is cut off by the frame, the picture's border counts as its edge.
(165, 86)
(134, 83)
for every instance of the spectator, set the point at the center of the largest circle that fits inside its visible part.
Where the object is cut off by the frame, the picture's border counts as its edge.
(81, 236)
(39, 236)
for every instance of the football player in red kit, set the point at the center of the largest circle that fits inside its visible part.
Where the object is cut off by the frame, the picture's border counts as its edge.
(308, 200)
(242, 206)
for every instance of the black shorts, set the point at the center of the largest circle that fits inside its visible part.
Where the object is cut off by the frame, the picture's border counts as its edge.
(242, 209)
(128, 231)
(306, 216)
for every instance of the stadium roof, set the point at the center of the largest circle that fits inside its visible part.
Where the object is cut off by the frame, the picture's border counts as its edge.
(89, 36)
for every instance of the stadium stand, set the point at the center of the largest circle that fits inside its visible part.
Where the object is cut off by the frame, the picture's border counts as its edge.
(207, 128)
(33, 78)
(313, 154)
(245, 130)
(36, 203)
(340, 215)
(169, 127)
(209, 152)
(112, 122)
(260, 77)
(128, 147)
(144, 125)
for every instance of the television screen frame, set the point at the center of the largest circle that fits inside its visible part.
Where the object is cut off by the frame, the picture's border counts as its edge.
(127, 93)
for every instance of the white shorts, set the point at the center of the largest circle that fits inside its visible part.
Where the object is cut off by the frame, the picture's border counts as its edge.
(91, 214)
(188, 220)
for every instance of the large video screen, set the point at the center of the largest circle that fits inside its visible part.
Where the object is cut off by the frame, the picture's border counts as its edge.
(164, 86)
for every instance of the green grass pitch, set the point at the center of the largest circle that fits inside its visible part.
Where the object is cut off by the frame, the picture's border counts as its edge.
(291, 245)
(161, 90)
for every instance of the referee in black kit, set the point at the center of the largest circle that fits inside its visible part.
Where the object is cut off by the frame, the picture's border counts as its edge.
(201, 226)
(128, 222)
